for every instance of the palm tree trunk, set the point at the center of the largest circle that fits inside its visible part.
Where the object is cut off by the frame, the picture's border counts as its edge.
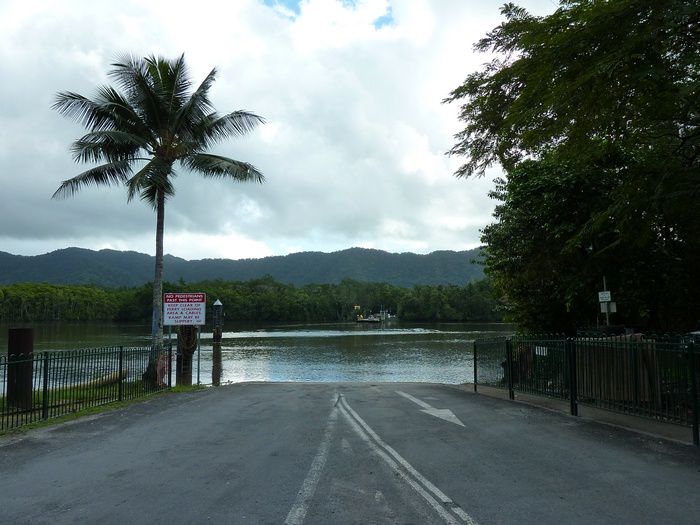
(157, 323)
(150, 375)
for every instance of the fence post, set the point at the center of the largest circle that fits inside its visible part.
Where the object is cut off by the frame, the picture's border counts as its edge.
(694, 391)
(474, 353)
(509, 367)
(121, 376)
(45, 389)
(635, 375)
(573, 386)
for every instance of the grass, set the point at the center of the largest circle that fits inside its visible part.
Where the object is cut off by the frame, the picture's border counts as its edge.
(77, 402)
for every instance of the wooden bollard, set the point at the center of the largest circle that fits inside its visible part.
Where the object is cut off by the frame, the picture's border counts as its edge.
(186, 346)
(20, 361)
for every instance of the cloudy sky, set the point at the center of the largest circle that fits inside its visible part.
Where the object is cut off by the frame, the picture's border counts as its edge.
(353, 148)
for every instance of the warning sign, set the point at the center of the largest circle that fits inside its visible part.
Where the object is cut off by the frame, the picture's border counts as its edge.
(184, 309)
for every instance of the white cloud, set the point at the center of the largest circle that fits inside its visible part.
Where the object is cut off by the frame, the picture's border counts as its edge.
(353, 149)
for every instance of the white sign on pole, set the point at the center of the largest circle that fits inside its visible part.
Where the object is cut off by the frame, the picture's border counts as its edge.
(604, 297)
(608, 308)
(184, 309)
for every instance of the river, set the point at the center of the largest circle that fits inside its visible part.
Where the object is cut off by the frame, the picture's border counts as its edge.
(393, 352)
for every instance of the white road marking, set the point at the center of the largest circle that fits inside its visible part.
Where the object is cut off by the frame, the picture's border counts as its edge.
(298, 511)
(442, 505)
(442, 413)
(346, 446)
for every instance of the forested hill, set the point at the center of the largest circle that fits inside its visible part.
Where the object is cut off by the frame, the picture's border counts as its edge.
(115, 268)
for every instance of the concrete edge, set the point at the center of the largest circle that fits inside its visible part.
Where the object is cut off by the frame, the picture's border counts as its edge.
(647, 427)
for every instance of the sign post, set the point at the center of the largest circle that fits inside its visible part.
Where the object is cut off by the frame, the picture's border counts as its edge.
(606, 304)
(186, 309)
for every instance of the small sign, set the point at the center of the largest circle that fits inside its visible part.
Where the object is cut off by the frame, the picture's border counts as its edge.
(604, 297)
(184, 309)
(609, 308)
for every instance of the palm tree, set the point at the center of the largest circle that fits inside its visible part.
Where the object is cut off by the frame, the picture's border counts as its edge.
(140, 130)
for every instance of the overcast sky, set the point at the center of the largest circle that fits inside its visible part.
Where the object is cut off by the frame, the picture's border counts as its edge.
(353, 148)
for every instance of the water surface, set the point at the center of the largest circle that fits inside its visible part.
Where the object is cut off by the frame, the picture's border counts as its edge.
(396, 352)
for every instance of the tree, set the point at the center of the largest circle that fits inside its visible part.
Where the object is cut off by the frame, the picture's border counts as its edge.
(529, 253)
(141, 129)
(594, 114)
(592, 76)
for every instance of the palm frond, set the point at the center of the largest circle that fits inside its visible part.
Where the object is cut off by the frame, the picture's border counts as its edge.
(109, 174)
(197, 107)
(150, 193)
(108, 145)
(108, 111)
(216, 166)
(124, 115)
(213, 129)
(126, 69)
(134, 76)
(173, 82)
(89, 113)
(137, 182)
(155, 176)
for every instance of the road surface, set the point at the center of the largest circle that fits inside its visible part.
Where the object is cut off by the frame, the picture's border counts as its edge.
(343, 453)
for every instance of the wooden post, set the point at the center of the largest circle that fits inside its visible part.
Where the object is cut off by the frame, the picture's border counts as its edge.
(216, 364)
(218, 323)
(20, 353)
(186, 346)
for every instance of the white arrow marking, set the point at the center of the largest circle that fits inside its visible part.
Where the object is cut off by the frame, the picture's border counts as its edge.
(442, 413)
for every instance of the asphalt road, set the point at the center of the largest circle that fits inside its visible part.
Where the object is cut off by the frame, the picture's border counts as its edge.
(343, 453)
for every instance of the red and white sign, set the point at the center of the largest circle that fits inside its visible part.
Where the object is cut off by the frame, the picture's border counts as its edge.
(184, 309)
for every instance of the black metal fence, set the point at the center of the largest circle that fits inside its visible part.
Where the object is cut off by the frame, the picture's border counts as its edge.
(45, 385)
(657, 379)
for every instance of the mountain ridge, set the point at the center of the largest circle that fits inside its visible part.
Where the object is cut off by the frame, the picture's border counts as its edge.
(114, 268)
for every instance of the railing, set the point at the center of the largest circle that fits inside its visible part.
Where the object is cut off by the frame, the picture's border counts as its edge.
(45, 385)
(648, 378)
(490, 362)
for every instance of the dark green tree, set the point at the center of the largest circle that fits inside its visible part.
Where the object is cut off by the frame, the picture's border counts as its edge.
(594, 114)
(139, 131)
(592, 77)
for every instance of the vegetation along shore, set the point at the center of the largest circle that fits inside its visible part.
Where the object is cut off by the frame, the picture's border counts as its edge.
(264, 300)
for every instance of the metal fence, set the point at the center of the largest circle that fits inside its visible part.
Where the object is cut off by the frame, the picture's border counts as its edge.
(657, 379)
(45, 385)
(490, 362)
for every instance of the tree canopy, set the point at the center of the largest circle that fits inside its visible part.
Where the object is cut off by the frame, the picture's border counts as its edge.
(258, 300)
(594, 114)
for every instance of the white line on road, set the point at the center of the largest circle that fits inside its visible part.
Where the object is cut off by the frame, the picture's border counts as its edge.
(298, 511)
(418, 482)
(417, 401)
(442, 413)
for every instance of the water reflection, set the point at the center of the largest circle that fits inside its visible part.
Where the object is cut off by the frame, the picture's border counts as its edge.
(318, 353)
(66, 336)
(413, 354)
